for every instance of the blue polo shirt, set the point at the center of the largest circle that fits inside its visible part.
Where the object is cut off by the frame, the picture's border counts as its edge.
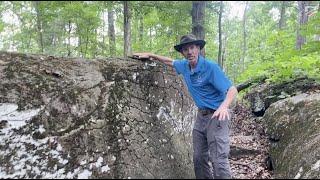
(207, 83)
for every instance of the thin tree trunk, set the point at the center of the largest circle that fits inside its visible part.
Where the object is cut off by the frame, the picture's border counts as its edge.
(244, 48)
(111, 31)
(69, 38)
(127, 29)
(39, 26)
(198, 15)
(150, 37)
(80, 46)
(220, 36)
(141, 25)
(317, 37)
(302, 19)
(95, 44)
(282, 15)
(87, 42)
(103, 46)
(224, 51)
(141, 28)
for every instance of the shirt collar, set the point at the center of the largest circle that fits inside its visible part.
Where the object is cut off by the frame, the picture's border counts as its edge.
(199, 65)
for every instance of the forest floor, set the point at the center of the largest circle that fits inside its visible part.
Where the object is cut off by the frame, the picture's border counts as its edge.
(249, 146)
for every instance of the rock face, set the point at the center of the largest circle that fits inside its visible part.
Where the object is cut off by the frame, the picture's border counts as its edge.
(293, 124)
(263, 95)
(101, 118)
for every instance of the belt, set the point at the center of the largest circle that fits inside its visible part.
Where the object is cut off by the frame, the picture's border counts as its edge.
(205, 112)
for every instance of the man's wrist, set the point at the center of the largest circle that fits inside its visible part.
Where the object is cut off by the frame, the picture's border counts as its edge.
(224, 106)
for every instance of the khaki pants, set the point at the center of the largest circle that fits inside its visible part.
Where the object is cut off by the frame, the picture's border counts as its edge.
(211, 145)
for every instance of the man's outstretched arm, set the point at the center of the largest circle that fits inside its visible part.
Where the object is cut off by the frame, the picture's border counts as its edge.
(166, 60)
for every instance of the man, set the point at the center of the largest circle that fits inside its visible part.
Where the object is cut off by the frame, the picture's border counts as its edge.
(213, 93)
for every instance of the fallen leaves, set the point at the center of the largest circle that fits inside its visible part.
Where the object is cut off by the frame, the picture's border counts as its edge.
(248, 134)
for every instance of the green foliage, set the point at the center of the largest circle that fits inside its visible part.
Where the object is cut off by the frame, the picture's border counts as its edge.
(2, 26)
(285, 65)
(78, 28)
(274, 55)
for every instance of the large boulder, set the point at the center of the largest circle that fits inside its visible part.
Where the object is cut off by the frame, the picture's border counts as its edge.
(99, 118)
(293, 125)
(262, 95)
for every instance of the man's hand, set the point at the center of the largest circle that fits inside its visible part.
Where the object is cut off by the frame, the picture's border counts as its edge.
(154, 57)
(221, 113)
(142, 55)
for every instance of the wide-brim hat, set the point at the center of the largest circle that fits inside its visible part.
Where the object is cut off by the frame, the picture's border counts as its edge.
(189, 39)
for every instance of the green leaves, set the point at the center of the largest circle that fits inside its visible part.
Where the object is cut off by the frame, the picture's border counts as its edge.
(78, 28)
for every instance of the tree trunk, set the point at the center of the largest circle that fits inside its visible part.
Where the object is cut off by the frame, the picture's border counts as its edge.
(80, 52)
(69, 38)
(220, 36)
(127, 29)
(150, 37)
(103, 45)
(282, 15)
(244, 48)
(302, 19)
(111, 31)
(198, 15)
(317, 38)
(87, 42)
(39, 26)
(141, 28)
(224, 51)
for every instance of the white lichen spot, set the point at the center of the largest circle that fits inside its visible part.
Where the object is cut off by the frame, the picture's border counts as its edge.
(299, 173)
(41, 129)
(171, 156)
(113, 158)
(59, 147)
(153, 64)
(83, 162)
(16, 119)
(105, 168)
(99, 162)
(135, 76)
(316, 166)
(84, 174)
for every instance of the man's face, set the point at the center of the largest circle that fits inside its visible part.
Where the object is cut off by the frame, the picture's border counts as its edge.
(191, 52)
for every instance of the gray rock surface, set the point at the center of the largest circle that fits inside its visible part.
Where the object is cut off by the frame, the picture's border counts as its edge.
(100, 118)
(294, 126)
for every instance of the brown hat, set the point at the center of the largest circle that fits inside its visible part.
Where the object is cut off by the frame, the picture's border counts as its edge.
(189, 39)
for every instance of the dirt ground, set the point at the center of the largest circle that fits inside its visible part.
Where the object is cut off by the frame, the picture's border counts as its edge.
(249, 146)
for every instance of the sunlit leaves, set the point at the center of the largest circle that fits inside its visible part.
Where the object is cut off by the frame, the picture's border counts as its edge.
(77, 28)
